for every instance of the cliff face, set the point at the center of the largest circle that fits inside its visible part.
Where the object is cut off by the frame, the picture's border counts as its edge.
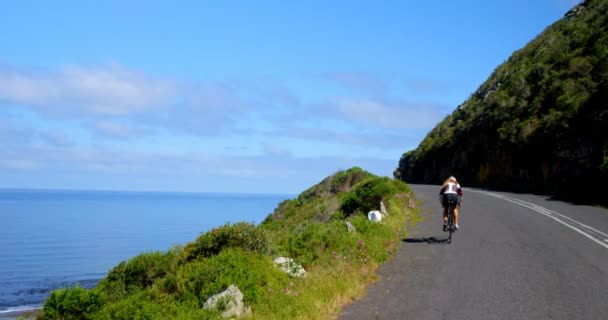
(538, 124)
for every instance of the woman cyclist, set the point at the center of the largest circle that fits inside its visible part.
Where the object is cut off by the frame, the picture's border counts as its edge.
(450, 191)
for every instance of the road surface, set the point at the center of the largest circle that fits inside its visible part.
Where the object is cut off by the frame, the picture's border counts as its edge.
(516, 256)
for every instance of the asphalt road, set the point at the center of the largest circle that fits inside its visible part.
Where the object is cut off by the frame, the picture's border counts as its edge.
(516, 256)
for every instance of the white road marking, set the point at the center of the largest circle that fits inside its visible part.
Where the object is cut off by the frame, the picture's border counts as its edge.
(585, 230)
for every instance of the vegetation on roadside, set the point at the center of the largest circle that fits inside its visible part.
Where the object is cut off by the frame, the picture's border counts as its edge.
(538, 123)
(311, 229)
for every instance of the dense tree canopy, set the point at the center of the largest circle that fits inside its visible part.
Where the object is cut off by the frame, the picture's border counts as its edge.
(538, 123)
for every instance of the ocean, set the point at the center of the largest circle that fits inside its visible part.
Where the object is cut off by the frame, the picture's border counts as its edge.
(51, 239)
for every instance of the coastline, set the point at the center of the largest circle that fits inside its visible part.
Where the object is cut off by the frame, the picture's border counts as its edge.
(97, 241)
(25, 312)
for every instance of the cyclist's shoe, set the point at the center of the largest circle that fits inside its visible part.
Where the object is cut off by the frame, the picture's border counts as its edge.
(456, 226)
(445, 227)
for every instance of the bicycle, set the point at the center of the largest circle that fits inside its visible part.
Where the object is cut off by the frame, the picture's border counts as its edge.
(451, 227)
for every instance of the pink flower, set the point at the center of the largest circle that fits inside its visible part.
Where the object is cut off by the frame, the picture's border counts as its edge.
(411, 204)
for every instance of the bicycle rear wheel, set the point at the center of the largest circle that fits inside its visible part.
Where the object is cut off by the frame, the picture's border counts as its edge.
(450, 222)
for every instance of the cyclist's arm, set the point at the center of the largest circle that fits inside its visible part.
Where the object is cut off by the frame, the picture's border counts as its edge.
(441, 191)
(459, 195)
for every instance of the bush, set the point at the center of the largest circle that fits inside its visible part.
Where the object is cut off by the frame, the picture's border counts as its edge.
(315, 240)
(138, 273)
(147, 305)
(367, 195)
(241, 235)
(250, 272)
(375, 237)
(72, 303)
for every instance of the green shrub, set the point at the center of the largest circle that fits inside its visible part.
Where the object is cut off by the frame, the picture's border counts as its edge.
(315, 240)
(138, 273)
(374, 236)
(367, 195)
(250, 272)
(72, 303)
(241, 235)
(146, 304)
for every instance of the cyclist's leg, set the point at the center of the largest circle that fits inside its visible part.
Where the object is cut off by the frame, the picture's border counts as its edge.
(444, 204)
(454, 198)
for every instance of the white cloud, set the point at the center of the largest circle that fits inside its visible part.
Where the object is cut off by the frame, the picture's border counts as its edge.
(398, 115)
(95, 167)
(19, 164)
(367, 139)
(116, 130)
(103, 90)
(296, 139)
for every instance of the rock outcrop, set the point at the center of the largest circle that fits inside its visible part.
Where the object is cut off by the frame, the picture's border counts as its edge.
(229, 302)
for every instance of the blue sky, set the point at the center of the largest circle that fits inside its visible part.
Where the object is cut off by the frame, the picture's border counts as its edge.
(238, 96)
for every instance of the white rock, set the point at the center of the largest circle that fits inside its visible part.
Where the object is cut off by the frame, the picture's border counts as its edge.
(230, 301)
(350, 227)
(289, 266)
(383, 209)
(375, 216)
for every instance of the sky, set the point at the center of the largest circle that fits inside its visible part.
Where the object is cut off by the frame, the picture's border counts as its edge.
(238, 96)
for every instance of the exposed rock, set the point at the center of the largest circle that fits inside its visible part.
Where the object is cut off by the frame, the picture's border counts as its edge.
(229, 302)
(383, 209)
(350, 227)
(576, 10)
(375, 216)
(291, 267)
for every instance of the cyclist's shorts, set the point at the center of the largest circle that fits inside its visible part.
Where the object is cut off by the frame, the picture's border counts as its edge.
(447, 197)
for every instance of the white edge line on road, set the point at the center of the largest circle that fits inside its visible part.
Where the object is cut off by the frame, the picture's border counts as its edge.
(548, 213)
(537, 208)
(561, 215)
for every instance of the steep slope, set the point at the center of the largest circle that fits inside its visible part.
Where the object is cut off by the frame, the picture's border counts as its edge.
(538, 124)
(310, 229)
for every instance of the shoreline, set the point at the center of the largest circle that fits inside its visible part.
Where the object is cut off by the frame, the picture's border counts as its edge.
(26, 312)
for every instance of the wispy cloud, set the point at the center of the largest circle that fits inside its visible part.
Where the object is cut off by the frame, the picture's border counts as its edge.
(399, 115)
(114, 98)
(424, 85)
(10, 134)
(102, 90)
(14, 135)
(55, 138)
(103, 122)
(373, 139)
(275, 150)
(362, 82)
(124, 169)
(114, 129)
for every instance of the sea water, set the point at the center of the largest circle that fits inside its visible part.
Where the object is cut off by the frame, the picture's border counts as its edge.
(53, 239)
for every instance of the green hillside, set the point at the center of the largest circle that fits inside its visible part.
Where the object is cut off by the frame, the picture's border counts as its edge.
(310, 229)
(539, 123)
